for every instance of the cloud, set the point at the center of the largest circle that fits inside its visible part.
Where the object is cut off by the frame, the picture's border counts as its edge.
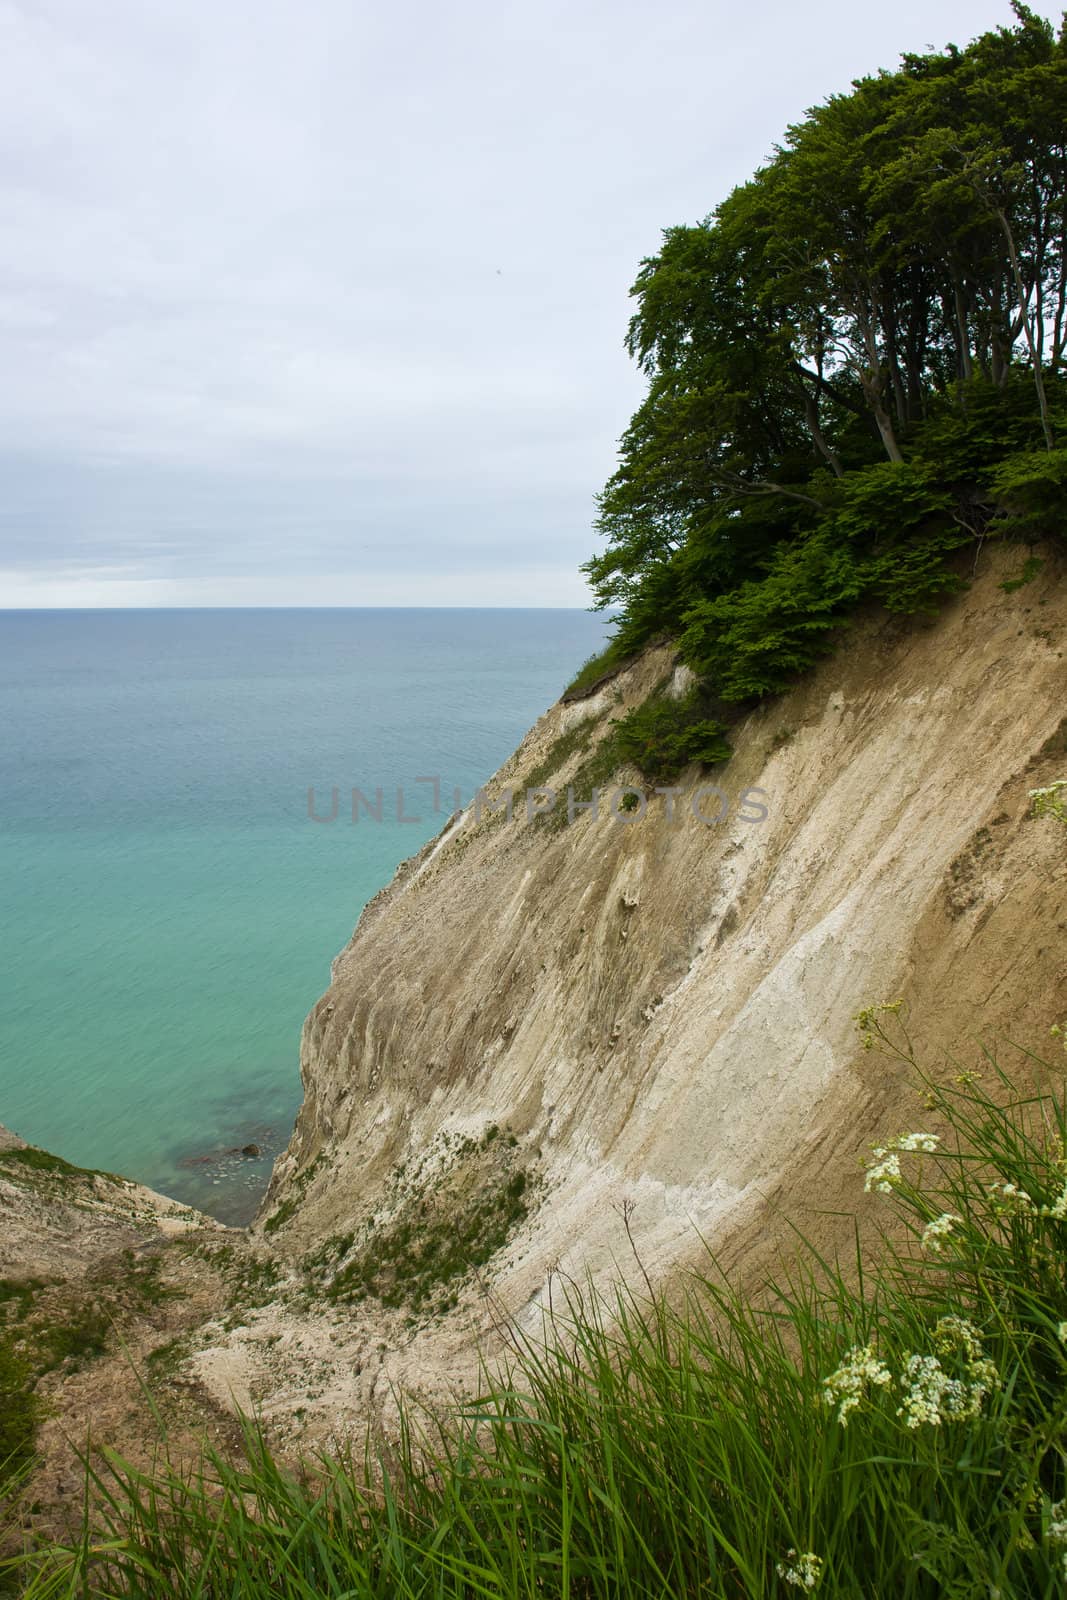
(333, 297)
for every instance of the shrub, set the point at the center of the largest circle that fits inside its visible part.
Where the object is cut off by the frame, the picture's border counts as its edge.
(1032, 489)
(662, 736)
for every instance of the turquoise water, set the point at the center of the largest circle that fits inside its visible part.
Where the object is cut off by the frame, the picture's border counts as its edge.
(169, 911)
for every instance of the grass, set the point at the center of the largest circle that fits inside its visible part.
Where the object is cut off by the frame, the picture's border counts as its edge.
(601, 666)
(33, 1160)
(284, 1213)
(20, 1411)
(855, 1432)
(558, 753)
(17, 1295)
(597, 770)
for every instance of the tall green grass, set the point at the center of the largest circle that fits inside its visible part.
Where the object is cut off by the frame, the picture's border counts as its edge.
(900, 1431)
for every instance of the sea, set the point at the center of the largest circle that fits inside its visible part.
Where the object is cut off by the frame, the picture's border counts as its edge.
(171, 896)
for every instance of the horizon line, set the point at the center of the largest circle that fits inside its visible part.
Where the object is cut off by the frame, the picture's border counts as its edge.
(16, 611)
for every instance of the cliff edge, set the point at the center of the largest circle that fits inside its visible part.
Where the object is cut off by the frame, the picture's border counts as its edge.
(558, 1051)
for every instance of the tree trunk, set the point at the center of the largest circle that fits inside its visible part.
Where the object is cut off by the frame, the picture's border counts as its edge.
(966, 364)
(811, 414)
(1035, 353)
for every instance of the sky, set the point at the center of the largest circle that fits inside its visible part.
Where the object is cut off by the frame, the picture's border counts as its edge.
(320, 302)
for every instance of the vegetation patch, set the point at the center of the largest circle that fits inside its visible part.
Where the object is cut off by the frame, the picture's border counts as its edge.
(445, 1220)
(599, 669)
(1031, 568)
(559, 753)
(20, 1411)
(30, 1159)
(47, 1326)
(285, 1213)
(17, 1296)
(662, 736)
(289, 1207)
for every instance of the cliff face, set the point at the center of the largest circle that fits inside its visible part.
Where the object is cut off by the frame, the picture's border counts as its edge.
(658, 1015)
(558, 1051)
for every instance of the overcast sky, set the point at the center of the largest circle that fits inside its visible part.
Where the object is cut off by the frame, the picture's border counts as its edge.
(323, 302)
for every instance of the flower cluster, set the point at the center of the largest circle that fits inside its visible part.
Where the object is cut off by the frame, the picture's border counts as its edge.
(1008, 1197)
(1058, 1209)
(802, 1571)
(883, 1172)
(849, 1383)
(925, 1142)
(957, 1336)
(936, 1232)
(932, 1396)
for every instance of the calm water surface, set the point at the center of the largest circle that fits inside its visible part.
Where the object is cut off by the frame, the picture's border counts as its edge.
(168, 911)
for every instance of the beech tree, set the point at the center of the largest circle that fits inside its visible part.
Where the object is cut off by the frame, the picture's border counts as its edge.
(839, 358)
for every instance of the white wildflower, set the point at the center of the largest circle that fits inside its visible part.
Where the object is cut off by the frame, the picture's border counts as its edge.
(932, 1396)
(849, 1383)
(1058, 1209)
(883, 1174)
(937, 1231)
(952, 1334)
(802, 1571)
(1009, 1197)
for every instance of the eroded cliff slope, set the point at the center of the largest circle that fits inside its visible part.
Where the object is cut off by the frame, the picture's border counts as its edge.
(559, 1050)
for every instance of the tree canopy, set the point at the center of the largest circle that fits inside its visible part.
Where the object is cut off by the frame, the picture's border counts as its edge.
(856, 365)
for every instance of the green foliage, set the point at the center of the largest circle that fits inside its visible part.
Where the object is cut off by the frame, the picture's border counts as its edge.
(17, 1295)
(896, 1430)
(419, 1258)
(283, 1214)
(755, 639)
(20, 1411)
(288, 1208)
(856, 366)
(597, 670)
(557, 755)
(30, 1159)
(1051, 801)
(662, 736)
(443, 1218)
(1032, 489)
(80, 1335)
